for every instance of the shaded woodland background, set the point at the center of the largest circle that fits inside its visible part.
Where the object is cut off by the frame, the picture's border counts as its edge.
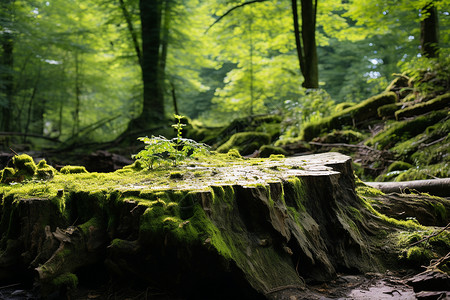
(83, 71)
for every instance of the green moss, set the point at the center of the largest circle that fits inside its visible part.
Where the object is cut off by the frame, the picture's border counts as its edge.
(343, 105)
(441, 170)
(69, 280)
(404, 130)
(418, 256)
(24, 165)
(296, 193)
(44, 171)
(73, 170)
(176, 175)
(388, 111)
(398, 166)
(7, 175)
(440, 102)
(234, 153)
(245, 142)
(360, 113)
(268, 150)
(342, 136)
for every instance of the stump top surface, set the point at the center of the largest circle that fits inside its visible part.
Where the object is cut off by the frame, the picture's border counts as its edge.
(250, 172)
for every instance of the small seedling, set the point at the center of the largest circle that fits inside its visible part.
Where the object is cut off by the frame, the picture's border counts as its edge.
(160, 149)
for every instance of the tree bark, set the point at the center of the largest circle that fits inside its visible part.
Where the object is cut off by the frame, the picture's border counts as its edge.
(298, 42)
(311, 70)
(7, 62)
(153, 108)
(133, 34)
(429, 31)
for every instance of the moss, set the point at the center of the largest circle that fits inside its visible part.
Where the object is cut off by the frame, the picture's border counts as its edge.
(176, 175)
(437, 103)
(24, 164)
(245, 142)
(295, 193)
(388, 111)
(404, 130)
(398, 166)
(44, 171)
(73, 170)
(418, 256)
(267, 150)
(234, 153)
(357, 114)
(341, 136)
(441, 170)
(7, 175)
(342, 106)
(69, 280)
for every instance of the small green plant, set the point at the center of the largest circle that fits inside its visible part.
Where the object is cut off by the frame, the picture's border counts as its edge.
(160, 149)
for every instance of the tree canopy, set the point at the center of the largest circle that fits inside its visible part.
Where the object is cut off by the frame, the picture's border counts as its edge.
(91, 69)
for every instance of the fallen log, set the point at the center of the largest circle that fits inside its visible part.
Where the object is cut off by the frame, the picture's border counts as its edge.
(437, 187)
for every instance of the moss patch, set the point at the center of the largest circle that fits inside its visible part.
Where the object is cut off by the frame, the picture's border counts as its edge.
(245, 142)
(360, 113)
(437, 103)
(404, 130)
(73, 170)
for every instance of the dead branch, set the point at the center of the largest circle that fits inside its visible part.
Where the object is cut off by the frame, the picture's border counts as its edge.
(344, 145)
(430, 236)
(437, 187)
(230, 10)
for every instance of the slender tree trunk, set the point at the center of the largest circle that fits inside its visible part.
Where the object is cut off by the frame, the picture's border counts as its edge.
(165, 28)
(298, 42)
(429, 32)
(31, 103)
(311, 72)
(174, 99)
(76, 113)
(251, 66)
(153, 108)
(131, 30)
(7, 62)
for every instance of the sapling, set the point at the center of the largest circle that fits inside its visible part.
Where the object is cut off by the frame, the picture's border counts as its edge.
(160, 149)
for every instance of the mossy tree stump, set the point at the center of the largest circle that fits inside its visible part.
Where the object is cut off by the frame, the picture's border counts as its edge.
(249, 227)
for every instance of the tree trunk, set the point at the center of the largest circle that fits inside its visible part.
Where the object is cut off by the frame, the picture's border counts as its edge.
(311, 70)
(133, 34)
(298, 41)
(7, 62)
(429, 31)
(153, 108)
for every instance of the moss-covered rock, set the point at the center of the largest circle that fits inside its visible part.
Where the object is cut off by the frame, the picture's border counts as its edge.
(399, 166)
(440, 102)
(388, 111)
(268, 150)
(355, 115)
(404, 130)
(245, 142)
(73, 170)
(341, 136)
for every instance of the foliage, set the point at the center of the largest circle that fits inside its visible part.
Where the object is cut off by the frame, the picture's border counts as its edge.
(430, 76)
(160, 149)
(312, 107)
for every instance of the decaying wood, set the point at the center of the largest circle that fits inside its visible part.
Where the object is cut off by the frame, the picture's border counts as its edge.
(437, 187)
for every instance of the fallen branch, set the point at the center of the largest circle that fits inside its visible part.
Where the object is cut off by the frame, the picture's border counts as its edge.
(437, 187)
(430, 236)
(30, 135)
(344, 145)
